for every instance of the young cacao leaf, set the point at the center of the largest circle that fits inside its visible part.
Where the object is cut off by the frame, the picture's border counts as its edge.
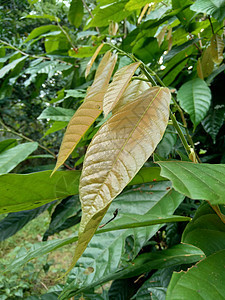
(116, 154)
(120, 81)
(217, 47)
(91, 61)
(90, 109)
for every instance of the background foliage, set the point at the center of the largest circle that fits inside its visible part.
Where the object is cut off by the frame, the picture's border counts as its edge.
(45, 47)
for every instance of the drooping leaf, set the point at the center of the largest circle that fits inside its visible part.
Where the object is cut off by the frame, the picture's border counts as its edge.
(217, 46)
(76, 12)
(87, 113)
(196, 181)
(116, 89)
(195, 97)
(214, 121)
(91, 61)
(205, 280)
(13, 222)
(10, 158)
(179, 254)
(57, 114)
(35, 189)
(11, 66)
(116, 154)
(214, 8)
(206, 231)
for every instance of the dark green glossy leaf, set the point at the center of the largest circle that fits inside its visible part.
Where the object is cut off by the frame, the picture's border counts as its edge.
(10, 158)
(22, 192)
(13, 222)
(179, 254)
(206, 231)
(205, 280)
(195, 98)
(196, 181)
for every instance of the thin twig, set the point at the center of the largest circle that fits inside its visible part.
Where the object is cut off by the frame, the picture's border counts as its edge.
(32, 56)
(66, 35)
(90, 13)
(211, 25)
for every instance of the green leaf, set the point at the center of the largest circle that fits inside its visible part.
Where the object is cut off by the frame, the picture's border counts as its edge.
(7, 144)
(205, 280)
(166, 146)
(56, 126)
(39, 31)
(57, 114)
(162, 201)
(179, 254)
(44, 16)
(147, 49)
(61, 216)
(10, 158)
(135, 5)
(206, 231)
(214, 121)
(11, 66)
(103, 15)
(147, 175)
(195, 97)
(13, 222)
(21, 192)
(186, 15)
(215, 8)
(76, 12)
(196, 181)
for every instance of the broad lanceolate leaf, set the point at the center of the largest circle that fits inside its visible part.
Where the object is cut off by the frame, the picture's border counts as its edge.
(206, 231)
(21, 192)
(217, 46)
(115, 90)
(88, 112)
(205, 280)
(215, 8)
(57, 114)
(197, 181)
(195, 98)
(10, 158)
(116, 154)
(76, 12)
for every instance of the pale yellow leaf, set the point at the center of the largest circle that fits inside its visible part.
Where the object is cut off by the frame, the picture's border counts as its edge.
(143, 12)
(199, 68)
(217, 46)
(116, 88)
(90, 109)
(133, 90)
(117, 152)
(91, 61)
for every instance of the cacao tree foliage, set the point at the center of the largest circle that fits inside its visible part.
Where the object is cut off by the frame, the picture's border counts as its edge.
(112, 118)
